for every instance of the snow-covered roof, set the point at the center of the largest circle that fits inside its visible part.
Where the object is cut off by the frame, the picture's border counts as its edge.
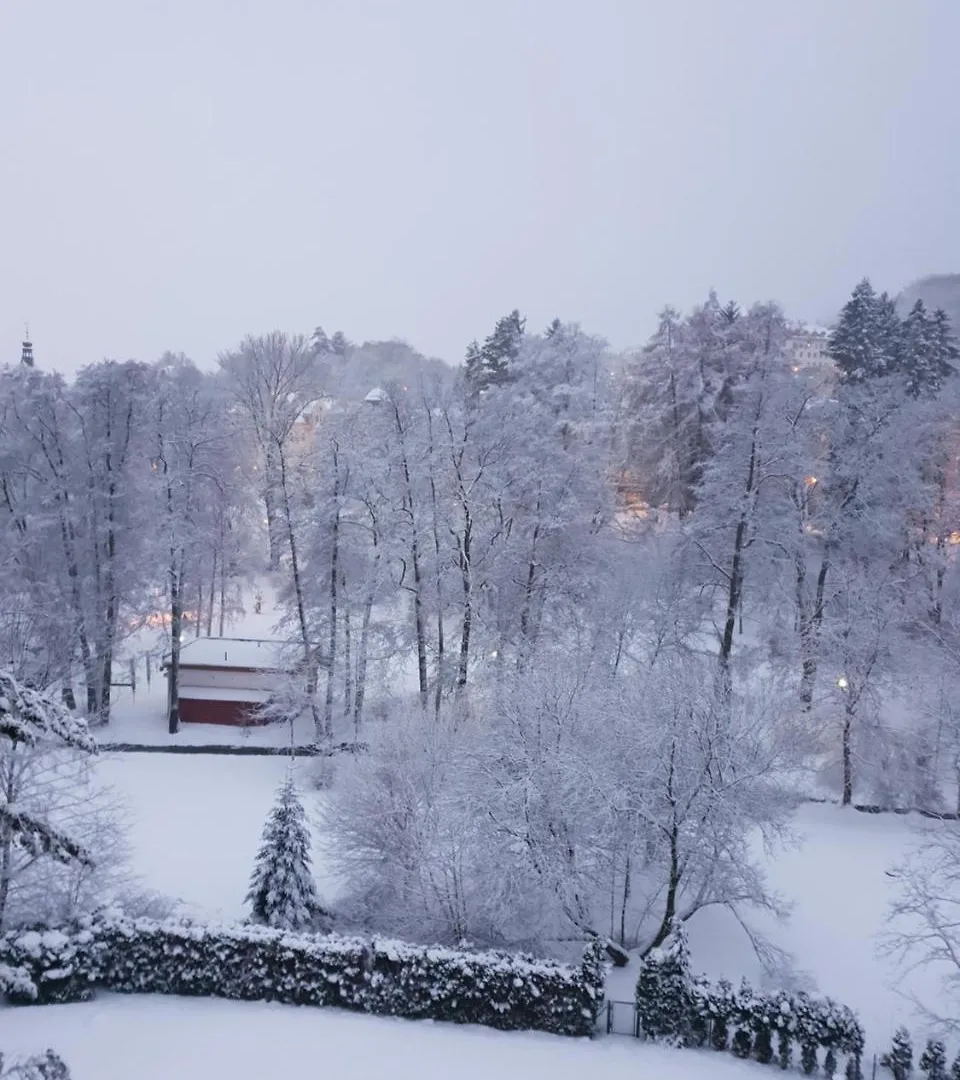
(255, 654)
(222, 693)
(377, 395)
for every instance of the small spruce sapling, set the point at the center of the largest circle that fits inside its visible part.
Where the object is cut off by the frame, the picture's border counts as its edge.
(282, 892)
(808, 1058)
(955, 1068)
(853, 1071)
(741, 1043)
(899, 1059)
(830, 1063)
(763, 1045)
(933, 1060)
(719, 1030)
(784, 1048)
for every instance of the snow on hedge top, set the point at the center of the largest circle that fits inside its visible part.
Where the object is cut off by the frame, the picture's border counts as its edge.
(30, 717)
(243, 653)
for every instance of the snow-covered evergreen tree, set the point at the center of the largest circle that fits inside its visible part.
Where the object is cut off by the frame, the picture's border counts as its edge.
(933, 1060)
(899, 1059)
(282, 892)
(663, 989)
(855, 344)
(29, 719)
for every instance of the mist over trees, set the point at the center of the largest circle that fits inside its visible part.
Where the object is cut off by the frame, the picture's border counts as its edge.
(599, 619)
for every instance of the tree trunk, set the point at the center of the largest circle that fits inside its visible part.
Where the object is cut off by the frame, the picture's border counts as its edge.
(466, 582)
(847, 754)
(334, 589)
(223, 583)
(272, 469)
(309, 661)
(361, 686)
(347, 656)
(410, 507)
(176, 629)
(438, 585)
(526, 634)
(213, 593)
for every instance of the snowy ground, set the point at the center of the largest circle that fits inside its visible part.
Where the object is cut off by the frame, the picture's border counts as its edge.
(159, 1038)
(195, 826)
(195, 822)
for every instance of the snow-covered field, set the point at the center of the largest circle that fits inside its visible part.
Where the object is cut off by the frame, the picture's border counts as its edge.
(162, 1038)
(196, 820)
(195, 823)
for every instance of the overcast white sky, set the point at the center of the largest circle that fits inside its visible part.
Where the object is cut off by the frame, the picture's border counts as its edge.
(176, 174)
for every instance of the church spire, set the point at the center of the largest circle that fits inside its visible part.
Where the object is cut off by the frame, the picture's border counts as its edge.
(26, 350)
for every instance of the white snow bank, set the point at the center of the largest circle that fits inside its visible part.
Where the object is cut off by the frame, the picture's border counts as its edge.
(156, 1038)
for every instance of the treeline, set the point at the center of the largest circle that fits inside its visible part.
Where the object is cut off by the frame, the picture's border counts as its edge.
(615, 601)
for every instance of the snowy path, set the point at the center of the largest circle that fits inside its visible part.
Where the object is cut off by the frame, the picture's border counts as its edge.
(158, 1038)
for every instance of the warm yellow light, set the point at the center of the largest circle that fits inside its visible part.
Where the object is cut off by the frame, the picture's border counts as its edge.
(809, 481)
(842, 682)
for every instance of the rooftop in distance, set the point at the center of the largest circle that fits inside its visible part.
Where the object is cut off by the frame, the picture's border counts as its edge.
(251, 654)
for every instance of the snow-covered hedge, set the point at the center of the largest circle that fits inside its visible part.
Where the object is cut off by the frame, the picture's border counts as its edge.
(50, 966)
(689, 1010)
(261, 964)
(247, 962)
(499, 990)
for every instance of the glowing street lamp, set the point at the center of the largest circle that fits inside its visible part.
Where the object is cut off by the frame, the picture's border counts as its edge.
(842, 682)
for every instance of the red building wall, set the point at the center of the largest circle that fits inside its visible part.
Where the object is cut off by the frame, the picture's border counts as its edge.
(236, 713)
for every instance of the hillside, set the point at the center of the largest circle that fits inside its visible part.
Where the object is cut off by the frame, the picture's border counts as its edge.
(936, 291)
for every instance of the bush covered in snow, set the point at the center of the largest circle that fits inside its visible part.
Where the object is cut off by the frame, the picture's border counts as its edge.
(45, 1066)
(689, 1010)
(263, 964)
(46, 967)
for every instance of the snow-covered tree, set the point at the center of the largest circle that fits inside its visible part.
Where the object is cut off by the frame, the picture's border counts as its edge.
(899, 1058)
(933, 1060)
(857, 344)
(283, 892)
(663, 990)
(924, 927)
(30, 720)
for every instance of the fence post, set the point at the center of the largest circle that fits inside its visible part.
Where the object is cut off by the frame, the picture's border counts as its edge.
(873, 1073)
(636, 1022)
(609, 1017)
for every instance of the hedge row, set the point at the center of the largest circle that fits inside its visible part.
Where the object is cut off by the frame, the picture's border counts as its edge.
(255, 963)
(674, 1005)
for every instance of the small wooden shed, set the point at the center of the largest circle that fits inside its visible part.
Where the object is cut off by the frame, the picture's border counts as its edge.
(224, 680)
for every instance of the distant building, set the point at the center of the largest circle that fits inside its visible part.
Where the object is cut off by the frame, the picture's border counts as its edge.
(808, 347)
(26, 350)
(377, 396)
(226, 680)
